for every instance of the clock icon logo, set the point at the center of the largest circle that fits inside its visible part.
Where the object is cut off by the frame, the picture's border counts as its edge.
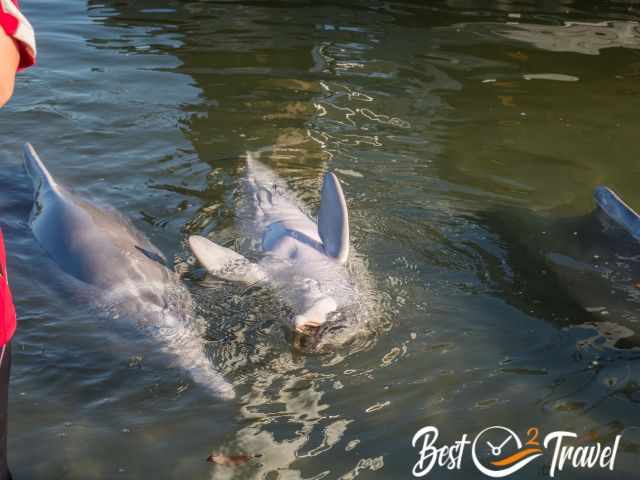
(498, 451)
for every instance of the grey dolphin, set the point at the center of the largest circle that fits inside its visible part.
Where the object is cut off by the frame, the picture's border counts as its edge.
(305, 262)
(585, 268)
(101, 248)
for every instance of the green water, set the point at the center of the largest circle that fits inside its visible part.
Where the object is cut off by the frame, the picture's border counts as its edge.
(436, 116)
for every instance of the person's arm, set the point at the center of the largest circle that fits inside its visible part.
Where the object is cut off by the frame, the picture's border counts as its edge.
(17, 46)
(9, 60)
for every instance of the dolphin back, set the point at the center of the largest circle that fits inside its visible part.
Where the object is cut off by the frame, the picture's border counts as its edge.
(617, 210)
(89, 243)
(102, 248)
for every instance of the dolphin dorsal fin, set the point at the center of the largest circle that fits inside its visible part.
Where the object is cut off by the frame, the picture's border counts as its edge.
(333, 219)
(614, 207)
(37, 170)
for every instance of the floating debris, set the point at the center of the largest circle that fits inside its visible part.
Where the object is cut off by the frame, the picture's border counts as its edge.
(377, 406)
(557, 77)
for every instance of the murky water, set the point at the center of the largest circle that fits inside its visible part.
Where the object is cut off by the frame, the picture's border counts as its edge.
(444, 122)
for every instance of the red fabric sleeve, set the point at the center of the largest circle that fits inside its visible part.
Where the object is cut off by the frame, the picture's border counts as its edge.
(8, 22)
(26, 59)
(18, 27)
(7, 309)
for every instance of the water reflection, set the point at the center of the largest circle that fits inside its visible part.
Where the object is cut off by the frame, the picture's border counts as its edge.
(577, 37)
(287, 420)
(425, 112)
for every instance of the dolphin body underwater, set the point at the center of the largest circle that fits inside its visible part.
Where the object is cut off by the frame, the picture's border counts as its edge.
(585, 269)
(304, 262)
(101, 248)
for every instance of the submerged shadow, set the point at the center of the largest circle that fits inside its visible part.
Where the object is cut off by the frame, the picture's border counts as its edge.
(569, 270)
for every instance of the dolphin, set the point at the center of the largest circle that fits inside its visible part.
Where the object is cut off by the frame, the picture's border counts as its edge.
(584, 268)
(303, 261)
(103, 250)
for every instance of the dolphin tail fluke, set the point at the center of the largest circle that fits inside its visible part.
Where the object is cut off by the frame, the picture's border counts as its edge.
(617, 210)
(184, 343)
(224, 263)
(333, 219)
(37, 170)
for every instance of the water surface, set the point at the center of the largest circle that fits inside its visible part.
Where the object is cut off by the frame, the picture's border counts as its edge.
(436, 117)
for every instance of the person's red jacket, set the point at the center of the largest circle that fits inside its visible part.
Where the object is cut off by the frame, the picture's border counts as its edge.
(14, 23)
(7, 310)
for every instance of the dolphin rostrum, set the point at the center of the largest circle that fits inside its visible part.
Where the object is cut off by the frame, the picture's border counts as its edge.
(102, 249)
(305, 262)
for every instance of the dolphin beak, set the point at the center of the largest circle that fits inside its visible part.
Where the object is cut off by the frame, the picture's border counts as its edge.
(304, 325)
(314, 316)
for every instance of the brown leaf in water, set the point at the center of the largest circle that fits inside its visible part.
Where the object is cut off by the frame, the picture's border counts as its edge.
(507, 100)
(520, 56)
(229, 460)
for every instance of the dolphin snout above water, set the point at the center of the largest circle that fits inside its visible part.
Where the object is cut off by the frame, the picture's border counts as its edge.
(304, 261)
(102, 249)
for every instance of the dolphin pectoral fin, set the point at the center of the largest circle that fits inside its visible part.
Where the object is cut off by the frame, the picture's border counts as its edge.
(333, 219)
(223, 262)
(617, 210)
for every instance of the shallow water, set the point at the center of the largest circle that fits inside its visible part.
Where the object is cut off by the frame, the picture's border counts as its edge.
(436, 117)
